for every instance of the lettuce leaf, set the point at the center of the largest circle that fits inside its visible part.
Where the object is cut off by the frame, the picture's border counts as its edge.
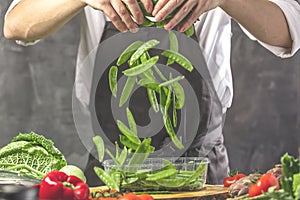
(290, 167)
(296, 185)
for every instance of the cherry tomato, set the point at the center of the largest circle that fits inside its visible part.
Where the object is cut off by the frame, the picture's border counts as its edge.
(239, 176)
(263, 184)
(254, 190)
(129, 196)
(266, 181)
(228, 181)
(145, 197)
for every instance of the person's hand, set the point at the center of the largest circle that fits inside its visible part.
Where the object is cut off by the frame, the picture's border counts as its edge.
(117, 12)
(191, 9)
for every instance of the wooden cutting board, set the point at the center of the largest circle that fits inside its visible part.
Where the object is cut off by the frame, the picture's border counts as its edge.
(209, 192)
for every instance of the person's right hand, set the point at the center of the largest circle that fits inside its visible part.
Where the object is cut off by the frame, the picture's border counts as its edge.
(116, 11)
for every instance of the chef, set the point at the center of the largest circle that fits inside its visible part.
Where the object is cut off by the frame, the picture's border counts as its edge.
(273, 23)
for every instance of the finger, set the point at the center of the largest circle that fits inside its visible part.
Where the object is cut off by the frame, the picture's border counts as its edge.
(124, 14)
(195, 14)
(115, 18)
(97, 5)
(168, 9)
(158, 6)
(181, 14)
(148, 5)
(135, 10)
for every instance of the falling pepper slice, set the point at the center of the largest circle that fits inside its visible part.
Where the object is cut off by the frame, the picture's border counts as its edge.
(59, 186)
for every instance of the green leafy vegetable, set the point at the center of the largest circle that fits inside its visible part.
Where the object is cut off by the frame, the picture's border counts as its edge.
(296, 185)
(290, 183)
(272, 194)
(290, 167)
(31, 154)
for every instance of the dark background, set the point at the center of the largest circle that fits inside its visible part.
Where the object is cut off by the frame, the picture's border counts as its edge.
(263, 123)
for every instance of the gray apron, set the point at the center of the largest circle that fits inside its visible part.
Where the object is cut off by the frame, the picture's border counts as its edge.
(211, 122)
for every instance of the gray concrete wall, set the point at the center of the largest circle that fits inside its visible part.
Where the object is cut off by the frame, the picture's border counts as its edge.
(264, 120)
(263, 123)
(36, 85)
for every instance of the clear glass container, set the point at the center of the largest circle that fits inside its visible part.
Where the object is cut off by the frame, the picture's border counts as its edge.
(160, 174)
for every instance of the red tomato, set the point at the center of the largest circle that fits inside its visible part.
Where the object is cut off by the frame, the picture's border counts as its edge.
(129, 196)
(239, 176)
(254, 190)
(266, 181)
(263, 184)
(146, 197)
(228, 181)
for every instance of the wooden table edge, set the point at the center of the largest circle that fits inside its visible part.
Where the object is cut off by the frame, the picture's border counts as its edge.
(208, 190)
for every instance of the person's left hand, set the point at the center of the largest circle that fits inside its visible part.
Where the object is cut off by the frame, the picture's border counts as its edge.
(195, 7)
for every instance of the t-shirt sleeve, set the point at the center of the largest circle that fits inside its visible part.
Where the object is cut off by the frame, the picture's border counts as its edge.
(291, 10)
(20, 42)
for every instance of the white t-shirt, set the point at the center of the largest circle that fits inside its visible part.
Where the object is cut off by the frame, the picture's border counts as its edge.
(214, 33)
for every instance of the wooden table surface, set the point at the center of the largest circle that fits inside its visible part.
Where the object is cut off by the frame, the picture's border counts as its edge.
(209, 192)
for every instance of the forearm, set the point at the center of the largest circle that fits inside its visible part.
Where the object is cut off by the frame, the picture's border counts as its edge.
(31, 20)
(262, 18)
